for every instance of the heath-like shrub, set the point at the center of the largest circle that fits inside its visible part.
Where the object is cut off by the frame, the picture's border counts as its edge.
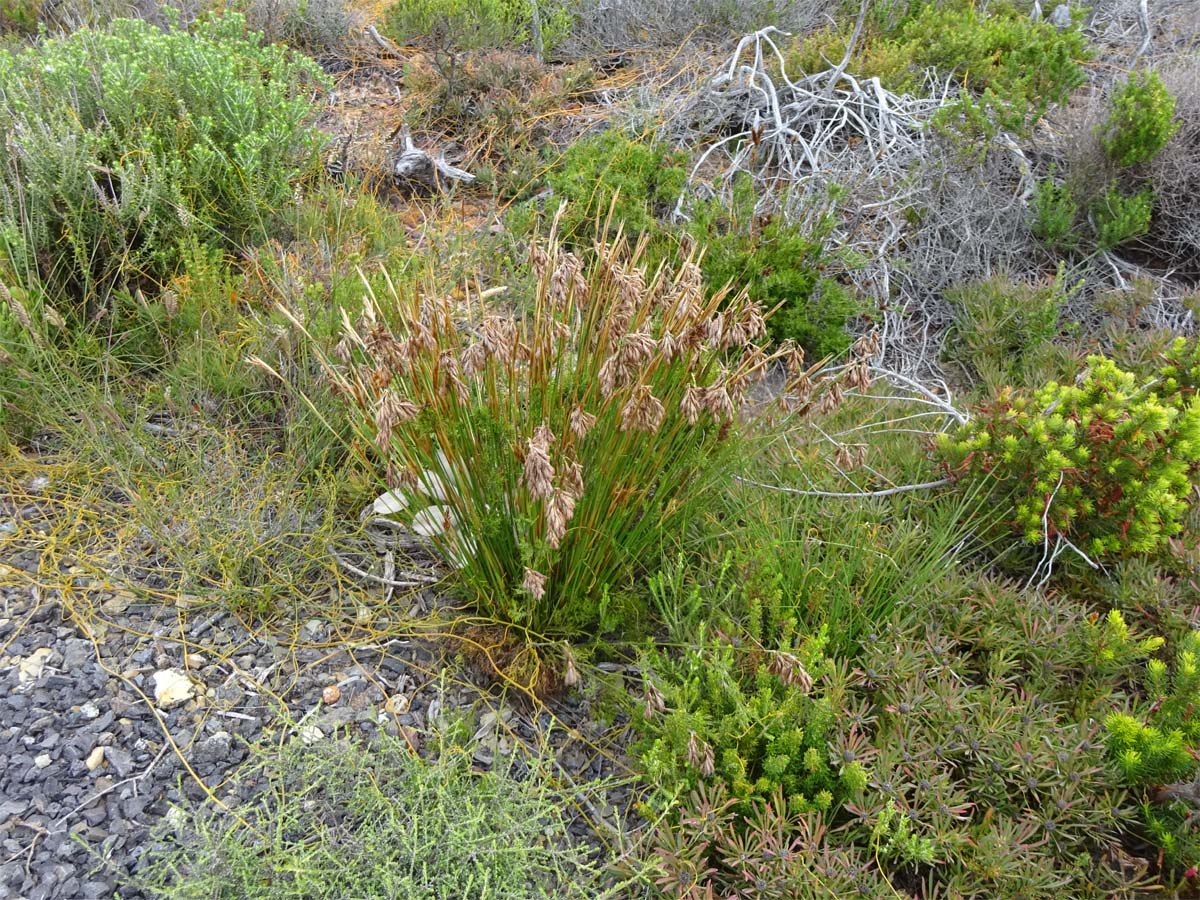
(721, 848)
(1011, 67)
(1055, 212)
(126, 144)
(1106, 463)
(1154, 749)
(615, 178)
(461, 25)
(1002, 327)
(1141, 121)
(550, 451)
(748, 718)
(978, 745)
(780, 265)
(1119, 217)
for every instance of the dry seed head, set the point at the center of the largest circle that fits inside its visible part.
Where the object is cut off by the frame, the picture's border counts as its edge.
(341, 350)
(539, 471)
(799, 388)
(379, 342)
(643, 411)
(18, 310)
(571, 675)
(867, 346)
(670, 347)
(379, 378)
(390, 411)
(692, 404)
(718, 402)
(708, 765)
(567, 277)
(474, 358)
(581, 422)
(654, 701)
(857, 376)
(613, 376)
(690, 279)
(794, 358)
(572, 478)
(693, 750)
(534, 583)
(831, 399)
(559, 512)
(848, 457)
(714, 331)
(754, 325)
(448, 374)
(499, 336)
(539, 259)
(636, 349)
(788, 669)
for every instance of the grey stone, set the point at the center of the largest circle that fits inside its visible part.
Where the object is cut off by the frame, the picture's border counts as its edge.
(215, 748)
(11, 874)
(120, 760)
(77, 653)
(95, 814)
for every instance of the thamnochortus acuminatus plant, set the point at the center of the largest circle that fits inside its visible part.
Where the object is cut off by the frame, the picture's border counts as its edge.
(551, 451)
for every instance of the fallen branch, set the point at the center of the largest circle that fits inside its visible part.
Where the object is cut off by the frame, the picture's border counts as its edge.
(849, 495)
(418, 171)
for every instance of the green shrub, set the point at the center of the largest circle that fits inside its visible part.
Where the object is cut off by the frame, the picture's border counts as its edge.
(338, 820)
(768, 851)
(779, 265)
(453, 26)
(1055, 214)
(1179, 368)
(19, 16)
(1014, 67)
(1121, 217)
(550, 455)
(1107, 464)
(747, 718)
(1004, 329)
(1155, 748)
(615, 181)
(1141, 121)
(1011, 67)
(136, 143)
(636, 181)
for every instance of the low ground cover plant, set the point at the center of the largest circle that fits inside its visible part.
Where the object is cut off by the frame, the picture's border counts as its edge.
(1004, 330)
(339, 820)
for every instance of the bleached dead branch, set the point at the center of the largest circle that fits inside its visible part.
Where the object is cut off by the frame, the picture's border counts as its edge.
(786, 133)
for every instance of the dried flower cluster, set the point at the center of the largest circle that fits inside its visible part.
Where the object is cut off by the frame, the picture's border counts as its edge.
(568, 435)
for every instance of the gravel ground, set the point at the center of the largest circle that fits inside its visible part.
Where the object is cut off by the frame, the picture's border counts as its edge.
(93, 754)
